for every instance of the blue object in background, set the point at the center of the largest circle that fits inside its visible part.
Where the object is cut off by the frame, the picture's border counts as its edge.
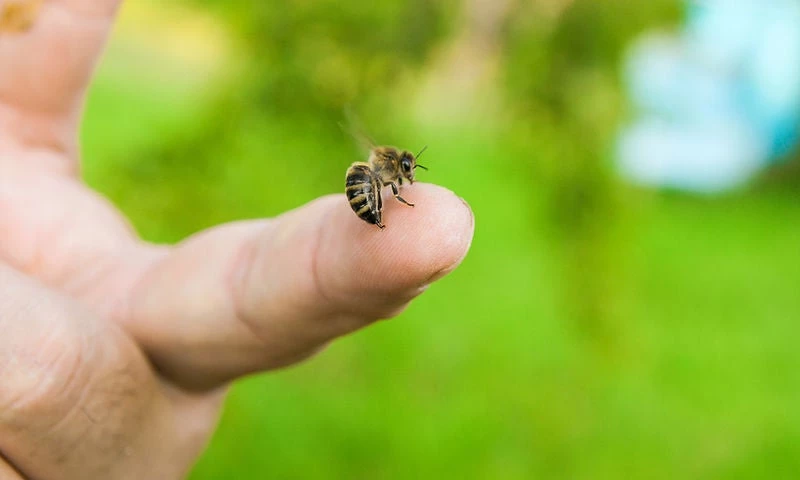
(717, 102)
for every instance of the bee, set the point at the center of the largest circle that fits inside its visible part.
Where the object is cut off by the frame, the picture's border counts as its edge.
(365, 181)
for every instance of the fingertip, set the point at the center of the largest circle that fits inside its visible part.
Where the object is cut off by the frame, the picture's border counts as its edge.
(437, 233)
(419, 245)
(261, 295)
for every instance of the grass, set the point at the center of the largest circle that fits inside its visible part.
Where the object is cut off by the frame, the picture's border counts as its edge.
(486, 375)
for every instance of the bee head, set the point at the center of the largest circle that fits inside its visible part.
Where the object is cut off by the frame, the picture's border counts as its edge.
(408, 162)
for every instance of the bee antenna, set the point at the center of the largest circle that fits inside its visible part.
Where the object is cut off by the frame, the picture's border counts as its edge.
(420, 152)
(422, 166)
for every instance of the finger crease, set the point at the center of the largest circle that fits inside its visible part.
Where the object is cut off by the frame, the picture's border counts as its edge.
(12, 466)
(240, 274)
(315, 275)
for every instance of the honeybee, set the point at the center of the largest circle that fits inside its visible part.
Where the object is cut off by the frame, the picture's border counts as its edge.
(365, 181)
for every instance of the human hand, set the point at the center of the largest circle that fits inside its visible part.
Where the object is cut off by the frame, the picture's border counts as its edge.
(115, 353)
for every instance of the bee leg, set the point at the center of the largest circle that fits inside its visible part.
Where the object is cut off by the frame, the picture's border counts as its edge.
(396, 192)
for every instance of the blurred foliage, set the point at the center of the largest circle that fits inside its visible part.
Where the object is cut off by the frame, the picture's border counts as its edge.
(494, 372)
(561, 73)
(304, 65)
(314, 58)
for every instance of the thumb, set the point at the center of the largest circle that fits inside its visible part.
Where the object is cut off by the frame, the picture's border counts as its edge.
(258, 295)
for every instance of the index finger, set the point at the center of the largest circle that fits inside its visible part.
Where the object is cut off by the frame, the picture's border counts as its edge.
(48, 50)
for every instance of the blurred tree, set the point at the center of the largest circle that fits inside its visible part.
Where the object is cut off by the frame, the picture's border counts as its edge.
(462, 78)
(317, 57)
(562, 91)
(303, 64)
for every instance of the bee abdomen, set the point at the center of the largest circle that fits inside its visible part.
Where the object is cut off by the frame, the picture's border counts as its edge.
(363, 194)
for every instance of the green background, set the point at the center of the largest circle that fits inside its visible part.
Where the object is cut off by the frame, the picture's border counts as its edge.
(595, 330)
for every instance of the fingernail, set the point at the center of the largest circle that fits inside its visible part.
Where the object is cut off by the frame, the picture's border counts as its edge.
(469, 209)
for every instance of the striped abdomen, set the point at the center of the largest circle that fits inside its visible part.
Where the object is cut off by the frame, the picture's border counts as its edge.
(363, 189)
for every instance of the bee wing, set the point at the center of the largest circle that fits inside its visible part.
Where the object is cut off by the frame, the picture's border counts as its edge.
(356, 130)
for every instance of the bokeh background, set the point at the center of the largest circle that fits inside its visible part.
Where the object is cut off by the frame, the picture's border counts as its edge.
(597, 329)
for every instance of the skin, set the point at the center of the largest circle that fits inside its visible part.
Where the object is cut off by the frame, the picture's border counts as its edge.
(115, 354)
